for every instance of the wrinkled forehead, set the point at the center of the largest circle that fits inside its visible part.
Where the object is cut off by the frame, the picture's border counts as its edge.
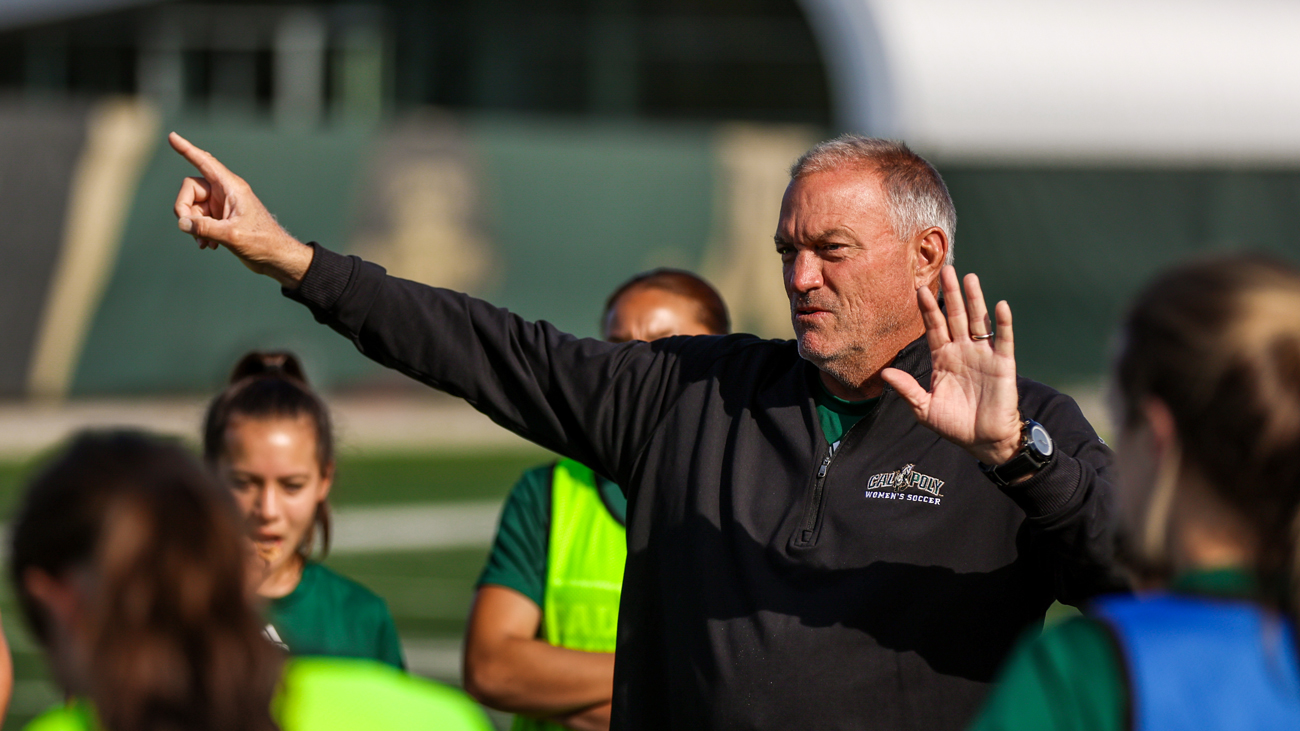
(821, 201)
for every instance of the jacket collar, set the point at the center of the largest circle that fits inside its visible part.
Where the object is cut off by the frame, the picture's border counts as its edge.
(914, 358)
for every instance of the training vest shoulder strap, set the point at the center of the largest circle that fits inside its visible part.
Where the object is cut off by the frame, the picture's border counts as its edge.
(1205, 664)
(584, 569)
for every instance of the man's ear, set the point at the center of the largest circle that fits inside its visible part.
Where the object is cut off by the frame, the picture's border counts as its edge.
(931, 252)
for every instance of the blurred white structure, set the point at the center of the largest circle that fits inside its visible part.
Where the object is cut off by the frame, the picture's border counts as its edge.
(1162, 81)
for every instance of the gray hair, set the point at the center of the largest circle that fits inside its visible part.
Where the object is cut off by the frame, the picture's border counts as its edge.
(918, 197)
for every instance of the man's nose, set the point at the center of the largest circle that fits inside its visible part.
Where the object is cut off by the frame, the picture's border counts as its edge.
(805, 272)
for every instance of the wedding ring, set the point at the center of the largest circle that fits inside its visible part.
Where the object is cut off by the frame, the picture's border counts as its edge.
(981, 337)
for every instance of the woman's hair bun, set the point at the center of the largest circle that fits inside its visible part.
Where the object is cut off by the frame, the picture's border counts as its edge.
(276, 364)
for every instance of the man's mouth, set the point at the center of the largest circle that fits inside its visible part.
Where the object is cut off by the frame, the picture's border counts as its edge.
(803, 312)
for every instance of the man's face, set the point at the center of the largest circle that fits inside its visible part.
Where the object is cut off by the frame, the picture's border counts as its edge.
(851, 282)
(644, 313)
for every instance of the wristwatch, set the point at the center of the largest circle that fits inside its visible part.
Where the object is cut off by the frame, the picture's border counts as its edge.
(1036, 451)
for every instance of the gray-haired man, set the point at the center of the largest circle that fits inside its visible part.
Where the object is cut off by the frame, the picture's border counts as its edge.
(849, 531)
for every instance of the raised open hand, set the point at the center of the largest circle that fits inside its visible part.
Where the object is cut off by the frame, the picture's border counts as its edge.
(219, 208)
(973, 401)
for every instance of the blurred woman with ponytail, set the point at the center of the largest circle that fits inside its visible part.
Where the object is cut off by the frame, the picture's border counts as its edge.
(1207, 405)
(130, 567)
(268, 437)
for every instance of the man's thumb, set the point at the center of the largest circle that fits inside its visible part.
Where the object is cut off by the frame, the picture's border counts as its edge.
(907, 387)
(203, 227)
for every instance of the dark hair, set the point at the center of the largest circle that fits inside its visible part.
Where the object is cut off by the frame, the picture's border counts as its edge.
(174, 640)
(712, 312)
(1218, 342)
(272, 385)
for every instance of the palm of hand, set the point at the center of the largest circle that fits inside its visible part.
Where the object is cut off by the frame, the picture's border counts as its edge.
(973, 395)
(973, 400)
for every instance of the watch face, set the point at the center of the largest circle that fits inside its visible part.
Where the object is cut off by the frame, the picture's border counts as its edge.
(1039, 440)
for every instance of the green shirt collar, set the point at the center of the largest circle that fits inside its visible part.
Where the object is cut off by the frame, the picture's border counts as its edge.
(836, 415)
(1226, 582)
(844, 407)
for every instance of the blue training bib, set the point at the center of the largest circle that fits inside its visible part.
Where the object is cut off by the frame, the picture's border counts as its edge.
(1205, 664)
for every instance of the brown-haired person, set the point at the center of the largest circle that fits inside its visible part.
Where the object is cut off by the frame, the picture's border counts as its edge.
(130, 564)
(542, 630)
(1207, 386)
(268, 436)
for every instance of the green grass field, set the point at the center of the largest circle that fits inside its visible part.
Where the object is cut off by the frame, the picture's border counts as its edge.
(429, 592)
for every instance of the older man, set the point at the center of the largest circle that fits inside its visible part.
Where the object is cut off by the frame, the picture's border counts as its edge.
(849, 531)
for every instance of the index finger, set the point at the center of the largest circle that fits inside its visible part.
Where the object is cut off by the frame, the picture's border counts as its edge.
(211, 168)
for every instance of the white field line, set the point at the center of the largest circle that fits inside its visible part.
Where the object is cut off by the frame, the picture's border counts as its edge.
(410, 527)
(416, 422)
(414, 527)
(434, 658)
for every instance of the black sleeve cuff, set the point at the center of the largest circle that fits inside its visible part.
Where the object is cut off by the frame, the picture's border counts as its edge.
(1050, 489)
(326, 278)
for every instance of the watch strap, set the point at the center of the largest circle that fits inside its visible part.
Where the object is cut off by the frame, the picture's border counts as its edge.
(1026, 462)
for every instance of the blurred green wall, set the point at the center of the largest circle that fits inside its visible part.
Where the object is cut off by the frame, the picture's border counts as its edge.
(545, 216)
(1068, 248)
(567, 210)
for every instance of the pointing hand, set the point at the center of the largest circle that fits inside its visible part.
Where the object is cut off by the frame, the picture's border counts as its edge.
(219, 209)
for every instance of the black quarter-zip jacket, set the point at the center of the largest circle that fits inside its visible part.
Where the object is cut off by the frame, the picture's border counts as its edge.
(770, 584)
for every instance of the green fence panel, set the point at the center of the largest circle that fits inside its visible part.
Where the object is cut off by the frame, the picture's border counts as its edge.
(575, 208)
(1069, 248)
(175, 318)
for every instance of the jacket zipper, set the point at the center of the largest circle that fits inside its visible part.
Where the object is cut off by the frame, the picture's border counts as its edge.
(814, 505)
(809, 526)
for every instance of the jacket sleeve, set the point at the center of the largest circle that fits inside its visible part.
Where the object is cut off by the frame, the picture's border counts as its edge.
(586, 399)
(1069, 504)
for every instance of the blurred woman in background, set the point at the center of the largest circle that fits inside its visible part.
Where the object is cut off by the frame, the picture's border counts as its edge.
(1208, 410)
(129, 564)
(268, 437)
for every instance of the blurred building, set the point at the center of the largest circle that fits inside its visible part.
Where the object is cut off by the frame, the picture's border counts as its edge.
(539, 152)
(299, 60)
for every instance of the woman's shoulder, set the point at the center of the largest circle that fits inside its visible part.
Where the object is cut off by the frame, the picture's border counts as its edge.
(327, 583)
(1080, 638)
(1068, 678)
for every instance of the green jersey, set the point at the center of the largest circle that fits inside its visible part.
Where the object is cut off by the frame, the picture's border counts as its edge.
(328, 614)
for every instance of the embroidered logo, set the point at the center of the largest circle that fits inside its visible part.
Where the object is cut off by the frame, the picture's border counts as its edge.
(905, 484)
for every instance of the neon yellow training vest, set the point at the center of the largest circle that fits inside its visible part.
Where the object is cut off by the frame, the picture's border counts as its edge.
(584, 569)
(334, 694)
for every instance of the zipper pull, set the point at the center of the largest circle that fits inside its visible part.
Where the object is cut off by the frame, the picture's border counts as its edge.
(821, 471)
